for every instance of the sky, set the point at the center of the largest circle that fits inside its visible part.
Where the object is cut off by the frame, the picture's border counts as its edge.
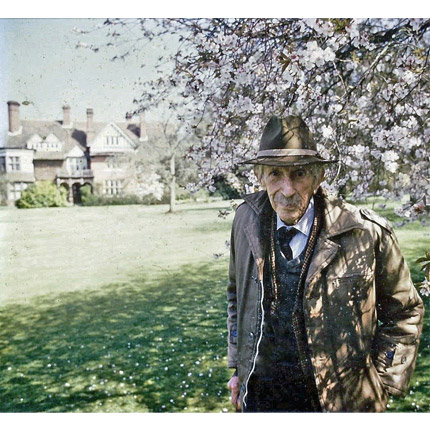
(41, 66)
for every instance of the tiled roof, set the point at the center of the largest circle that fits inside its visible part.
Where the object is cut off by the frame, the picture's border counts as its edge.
(131, 130)
(42, 128)
(72, 137)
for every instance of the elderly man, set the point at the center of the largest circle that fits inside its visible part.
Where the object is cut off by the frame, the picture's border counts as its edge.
(322, 312)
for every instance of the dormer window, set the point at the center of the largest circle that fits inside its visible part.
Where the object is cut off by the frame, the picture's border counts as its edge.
(46, 143)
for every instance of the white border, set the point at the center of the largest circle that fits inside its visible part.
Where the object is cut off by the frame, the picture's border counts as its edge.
(219, 8)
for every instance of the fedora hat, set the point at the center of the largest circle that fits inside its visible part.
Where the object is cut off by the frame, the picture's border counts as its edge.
(287, 142)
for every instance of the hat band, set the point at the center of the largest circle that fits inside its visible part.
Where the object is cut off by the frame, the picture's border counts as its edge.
(286, 152)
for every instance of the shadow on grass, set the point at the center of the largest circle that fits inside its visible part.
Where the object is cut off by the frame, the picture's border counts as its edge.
(152, 344)
(146, 345)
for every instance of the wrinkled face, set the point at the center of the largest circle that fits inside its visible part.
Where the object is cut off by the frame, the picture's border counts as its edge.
(290, 189)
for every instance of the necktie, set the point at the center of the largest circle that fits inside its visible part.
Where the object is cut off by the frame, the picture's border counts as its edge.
(285, 235)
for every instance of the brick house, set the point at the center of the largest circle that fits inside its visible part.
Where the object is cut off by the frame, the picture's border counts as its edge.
(70, 154)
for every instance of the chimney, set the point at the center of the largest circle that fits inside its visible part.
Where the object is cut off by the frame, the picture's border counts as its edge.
(143, 135)
(14, 123)
(66, 117)
(90, 126)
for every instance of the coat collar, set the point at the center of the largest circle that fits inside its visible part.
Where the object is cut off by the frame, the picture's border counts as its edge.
(259, 202)
(339, 216)
(257, 228)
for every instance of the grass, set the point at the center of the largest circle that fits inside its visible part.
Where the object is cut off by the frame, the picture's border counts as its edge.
(114, 309)
(93, 246)
(141, 346)
(122, 309)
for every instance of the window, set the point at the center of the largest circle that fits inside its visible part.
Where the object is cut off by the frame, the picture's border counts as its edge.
(47, 143)
(14, 163)
(76, 164)
(15, 190)
(113, 188)
(112, 163)
(2, 164)
(113, 140)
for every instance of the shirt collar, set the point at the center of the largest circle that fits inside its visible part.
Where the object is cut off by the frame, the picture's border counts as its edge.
(305, 223)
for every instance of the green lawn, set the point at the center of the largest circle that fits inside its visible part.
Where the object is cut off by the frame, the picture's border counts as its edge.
(115, 309)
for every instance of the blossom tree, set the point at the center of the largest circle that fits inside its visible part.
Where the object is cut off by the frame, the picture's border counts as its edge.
(362, 85)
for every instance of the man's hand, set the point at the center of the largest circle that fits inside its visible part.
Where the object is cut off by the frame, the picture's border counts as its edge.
(233, 386)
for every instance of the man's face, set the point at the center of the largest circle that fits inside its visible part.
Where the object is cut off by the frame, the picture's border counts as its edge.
(290, 189)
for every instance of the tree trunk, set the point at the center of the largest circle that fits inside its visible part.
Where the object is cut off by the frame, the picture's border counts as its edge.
(172, 184)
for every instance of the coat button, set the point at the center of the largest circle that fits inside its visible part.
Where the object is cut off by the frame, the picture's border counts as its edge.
(251, 336)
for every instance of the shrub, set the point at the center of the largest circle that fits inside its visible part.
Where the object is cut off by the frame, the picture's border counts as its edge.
(86, 192)
(89, 199)
(42, 194)
(98, 199)
(103, 200)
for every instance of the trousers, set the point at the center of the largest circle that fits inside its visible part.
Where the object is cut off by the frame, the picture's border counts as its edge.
(278, 393)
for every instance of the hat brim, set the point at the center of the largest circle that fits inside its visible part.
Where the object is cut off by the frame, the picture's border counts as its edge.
(287, 161)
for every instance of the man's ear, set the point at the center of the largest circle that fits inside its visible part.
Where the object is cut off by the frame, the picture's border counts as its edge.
(259, 173)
